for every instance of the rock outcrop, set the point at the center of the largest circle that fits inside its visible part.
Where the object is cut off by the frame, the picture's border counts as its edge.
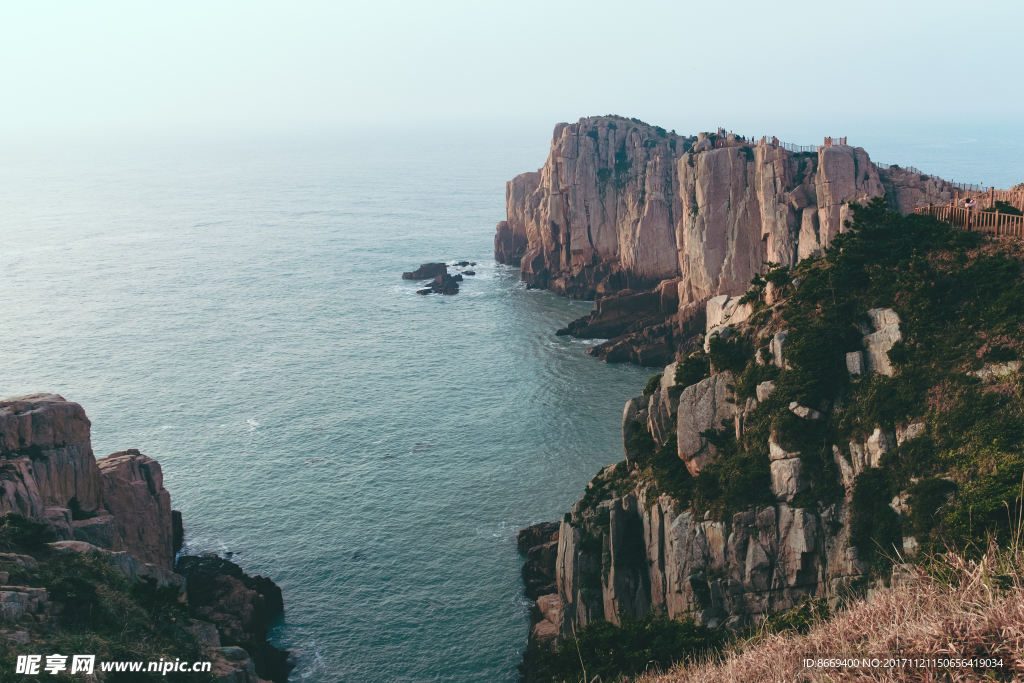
(636, 552)
(134, 494)
(46, 458)
(241, 606)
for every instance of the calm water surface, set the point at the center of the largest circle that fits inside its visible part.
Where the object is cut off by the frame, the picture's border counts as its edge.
(235, 310)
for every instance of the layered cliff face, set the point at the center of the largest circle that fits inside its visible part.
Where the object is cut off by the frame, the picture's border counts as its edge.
(837, 419)
(621, 204)
(47, 457)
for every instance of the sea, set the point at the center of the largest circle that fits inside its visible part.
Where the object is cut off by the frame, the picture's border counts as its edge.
(233, 307)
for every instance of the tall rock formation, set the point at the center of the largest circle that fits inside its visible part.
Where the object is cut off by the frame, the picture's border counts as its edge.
(621, 204)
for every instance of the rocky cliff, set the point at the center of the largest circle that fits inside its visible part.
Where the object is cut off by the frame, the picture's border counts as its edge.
(620, 204)
(831, 422)
(116, 512)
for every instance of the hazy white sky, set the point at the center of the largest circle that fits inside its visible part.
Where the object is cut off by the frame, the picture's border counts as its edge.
(227, 64)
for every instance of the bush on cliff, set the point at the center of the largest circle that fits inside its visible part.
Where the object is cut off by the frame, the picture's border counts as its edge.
(18, 533)
(610, 652)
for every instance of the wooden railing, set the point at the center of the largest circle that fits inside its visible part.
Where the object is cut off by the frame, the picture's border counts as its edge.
(989, 197)
(992, 222)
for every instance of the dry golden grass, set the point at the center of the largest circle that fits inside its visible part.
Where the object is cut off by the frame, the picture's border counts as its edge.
(961, 610)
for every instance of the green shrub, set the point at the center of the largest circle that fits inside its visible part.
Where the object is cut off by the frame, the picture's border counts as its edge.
(611, 652)
(20, 533)
(661, 466)
(693, 369)
(735, 480)
(874, 526)
(652, 385)
(1004, 207)
(727, 354)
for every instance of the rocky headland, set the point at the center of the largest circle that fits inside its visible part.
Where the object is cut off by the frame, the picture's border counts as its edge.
(89, 558)
(839, 388)
(663, 222)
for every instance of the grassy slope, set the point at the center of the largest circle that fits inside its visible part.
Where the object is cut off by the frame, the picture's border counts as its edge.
(971, 610)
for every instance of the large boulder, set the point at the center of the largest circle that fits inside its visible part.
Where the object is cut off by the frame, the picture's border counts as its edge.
(702, 406)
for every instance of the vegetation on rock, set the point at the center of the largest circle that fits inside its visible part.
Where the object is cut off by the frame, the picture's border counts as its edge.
(96, 610)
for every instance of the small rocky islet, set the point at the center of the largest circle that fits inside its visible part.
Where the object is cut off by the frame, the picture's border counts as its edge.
(441, 282)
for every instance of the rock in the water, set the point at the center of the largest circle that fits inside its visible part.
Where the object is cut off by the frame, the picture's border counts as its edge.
(428, 290)
(426, 271)
(469, 272)
(445, 284)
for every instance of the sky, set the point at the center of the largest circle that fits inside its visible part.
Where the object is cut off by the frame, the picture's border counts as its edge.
(749, 66)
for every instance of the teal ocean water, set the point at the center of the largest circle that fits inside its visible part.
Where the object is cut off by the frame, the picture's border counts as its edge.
(234, 309)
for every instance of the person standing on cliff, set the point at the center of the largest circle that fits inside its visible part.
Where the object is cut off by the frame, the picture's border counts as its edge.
(969, 204)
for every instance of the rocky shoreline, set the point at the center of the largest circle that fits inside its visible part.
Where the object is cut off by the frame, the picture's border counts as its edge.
(116, 511)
